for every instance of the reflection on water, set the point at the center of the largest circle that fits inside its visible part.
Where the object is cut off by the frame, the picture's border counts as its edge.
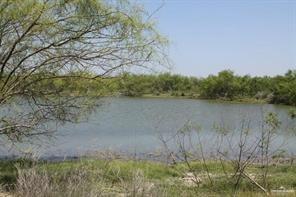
(134, 125)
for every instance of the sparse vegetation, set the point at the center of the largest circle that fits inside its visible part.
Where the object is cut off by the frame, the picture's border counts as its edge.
(99, 177)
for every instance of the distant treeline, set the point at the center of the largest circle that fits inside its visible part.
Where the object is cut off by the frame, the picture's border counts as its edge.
(225, 85)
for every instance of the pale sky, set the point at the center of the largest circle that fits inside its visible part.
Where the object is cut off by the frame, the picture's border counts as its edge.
(256, 37)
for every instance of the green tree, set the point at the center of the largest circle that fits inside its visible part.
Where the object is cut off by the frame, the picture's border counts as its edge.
(284, 89)
(224, 85)
(46, 46)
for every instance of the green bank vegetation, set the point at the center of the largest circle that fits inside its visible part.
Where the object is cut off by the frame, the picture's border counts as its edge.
(225, 85)
(100, 177)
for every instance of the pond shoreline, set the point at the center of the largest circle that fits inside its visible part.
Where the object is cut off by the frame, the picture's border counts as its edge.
(164, 158)
(186, 97)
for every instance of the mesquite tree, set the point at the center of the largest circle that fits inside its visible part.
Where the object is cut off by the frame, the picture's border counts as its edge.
(45, 40)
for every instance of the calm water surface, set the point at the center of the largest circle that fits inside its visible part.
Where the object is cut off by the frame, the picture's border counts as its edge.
(134, 125)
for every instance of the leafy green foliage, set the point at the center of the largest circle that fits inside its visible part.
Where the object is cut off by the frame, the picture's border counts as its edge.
(48, 49)
(284, 89)
(138, 85)
(226, 85)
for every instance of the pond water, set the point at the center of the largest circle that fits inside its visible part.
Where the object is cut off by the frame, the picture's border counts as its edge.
(135, 124)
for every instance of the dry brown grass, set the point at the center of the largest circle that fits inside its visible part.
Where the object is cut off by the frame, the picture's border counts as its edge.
(78, 182)
(40, 183)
